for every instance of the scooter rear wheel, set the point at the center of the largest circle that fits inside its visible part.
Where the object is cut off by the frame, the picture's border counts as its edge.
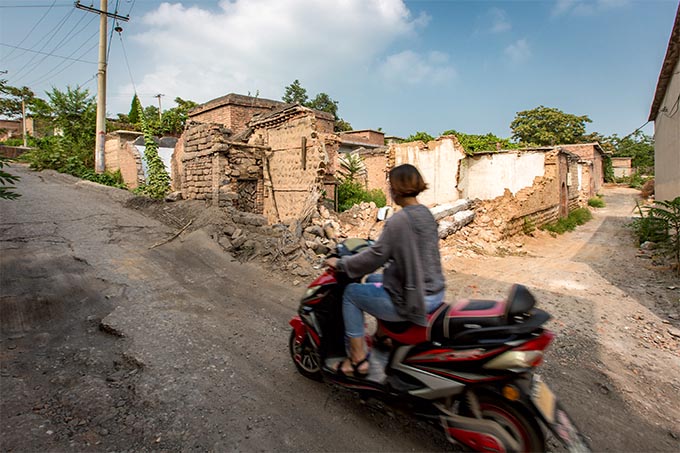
(516, 421)
(305, 357)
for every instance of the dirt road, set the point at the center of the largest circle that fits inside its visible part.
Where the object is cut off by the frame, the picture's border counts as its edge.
(194, 355)
(615, 362)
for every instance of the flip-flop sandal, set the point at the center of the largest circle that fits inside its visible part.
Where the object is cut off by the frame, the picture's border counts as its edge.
(355, 368)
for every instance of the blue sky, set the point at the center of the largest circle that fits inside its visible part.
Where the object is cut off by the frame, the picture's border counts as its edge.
(404, 66)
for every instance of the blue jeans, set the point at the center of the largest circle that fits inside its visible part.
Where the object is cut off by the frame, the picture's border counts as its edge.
(373, 299)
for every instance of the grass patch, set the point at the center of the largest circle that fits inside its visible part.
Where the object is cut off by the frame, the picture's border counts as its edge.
(596, 202)
(575, 218)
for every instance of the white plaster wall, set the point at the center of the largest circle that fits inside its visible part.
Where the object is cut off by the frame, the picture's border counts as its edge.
(667, 142)
(438, 164)
(487, 176)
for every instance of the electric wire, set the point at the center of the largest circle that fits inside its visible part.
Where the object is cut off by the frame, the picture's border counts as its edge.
(59, 70)
(127, 63)
(64, 40)
(55, 68)
(80, 85)
(54, 33)
(113, 23)
(45, 53)
(32, 29)
(131, 6)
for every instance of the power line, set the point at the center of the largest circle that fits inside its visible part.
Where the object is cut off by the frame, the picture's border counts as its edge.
(34, 27)
(59, 71)
(65, 5)
(54, 32)
(127, 63)
(51, 55)
(68, 37)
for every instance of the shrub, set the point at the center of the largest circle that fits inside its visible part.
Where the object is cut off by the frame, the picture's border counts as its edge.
(352, 192)
(596, 202)
(647, 227)
(661, 225)
(575, 218)
(58, 153)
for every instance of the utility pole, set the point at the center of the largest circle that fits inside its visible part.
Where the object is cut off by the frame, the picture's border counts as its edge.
(159, 95)
(100, 138)
(23, 119)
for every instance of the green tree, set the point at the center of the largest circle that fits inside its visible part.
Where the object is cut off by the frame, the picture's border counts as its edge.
(548, 126)
(474, 143)
(422, 136)
(295, 94)
(639, 146)
(135, 107)
(11, 98)
(174, 119)
(74, 114)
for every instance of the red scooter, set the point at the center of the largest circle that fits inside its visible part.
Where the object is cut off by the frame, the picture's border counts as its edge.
(471, 370)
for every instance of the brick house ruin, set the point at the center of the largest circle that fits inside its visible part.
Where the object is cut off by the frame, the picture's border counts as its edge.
(591, 166)
(274, 165)
(276, 160)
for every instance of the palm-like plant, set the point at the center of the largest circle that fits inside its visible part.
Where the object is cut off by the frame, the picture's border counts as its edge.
(352, 166)
(668, 212)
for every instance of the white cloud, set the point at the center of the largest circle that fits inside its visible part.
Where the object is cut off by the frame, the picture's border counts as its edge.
(412, 68)
(248, 45)
(499, 20)
(519, 51)
(586, 7)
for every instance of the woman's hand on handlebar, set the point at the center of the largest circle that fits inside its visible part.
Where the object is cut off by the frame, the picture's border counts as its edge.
(331, 262)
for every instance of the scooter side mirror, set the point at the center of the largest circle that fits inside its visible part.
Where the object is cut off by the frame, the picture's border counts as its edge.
(384, 213)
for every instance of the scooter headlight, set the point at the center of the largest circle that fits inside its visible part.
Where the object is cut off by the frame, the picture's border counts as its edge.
(311, 291)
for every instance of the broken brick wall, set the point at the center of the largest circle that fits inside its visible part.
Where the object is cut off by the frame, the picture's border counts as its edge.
(376, 161)
(438, 162)
(532, 206)
(206, 166)
(233, 111)
(295, 165)
(590, 154)
(121, 154)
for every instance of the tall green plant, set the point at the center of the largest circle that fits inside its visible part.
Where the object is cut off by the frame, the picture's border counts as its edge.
(668, 212)
(157, 180)
(352, 166)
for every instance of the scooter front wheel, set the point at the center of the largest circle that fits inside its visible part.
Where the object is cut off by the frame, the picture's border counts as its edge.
(305, 357)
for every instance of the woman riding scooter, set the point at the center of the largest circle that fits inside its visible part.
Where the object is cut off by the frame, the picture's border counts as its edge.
(413, 283)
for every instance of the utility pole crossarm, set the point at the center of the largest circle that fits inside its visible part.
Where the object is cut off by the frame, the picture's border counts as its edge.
(95, 10)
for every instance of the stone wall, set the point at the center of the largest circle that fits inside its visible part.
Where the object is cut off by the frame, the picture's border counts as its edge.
(121, 154)
(207, 166)
(13, 152)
